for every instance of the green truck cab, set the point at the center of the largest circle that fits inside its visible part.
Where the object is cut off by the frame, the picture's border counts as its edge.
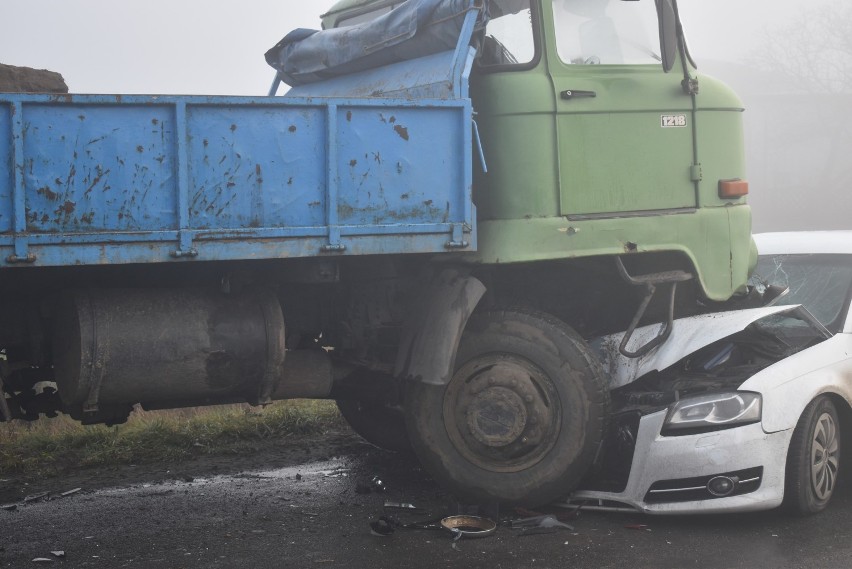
(594, 149)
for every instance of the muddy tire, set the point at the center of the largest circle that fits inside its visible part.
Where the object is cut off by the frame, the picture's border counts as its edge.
(813, 460)
(378, 423)
(521, 419)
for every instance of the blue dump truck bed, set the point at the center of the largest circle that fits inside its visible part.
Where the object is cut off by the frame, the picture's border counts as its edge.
(118, 179)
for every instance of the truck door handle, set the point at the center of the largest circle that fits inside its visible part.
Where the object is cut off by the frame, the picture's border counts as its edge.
(573, 94)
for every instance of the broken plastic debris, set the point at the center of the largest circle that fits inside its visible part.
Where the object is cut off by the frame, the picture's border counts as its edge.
(382, 527)
(70, 492)
(9, 507)
(34, 497)
(404, 506)
(377, 484)
(58, 554)
(637, 527)
(42, 560)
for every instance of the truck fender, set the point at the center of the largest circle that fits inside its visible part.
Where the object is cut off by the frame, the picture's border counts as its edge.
(431, 333)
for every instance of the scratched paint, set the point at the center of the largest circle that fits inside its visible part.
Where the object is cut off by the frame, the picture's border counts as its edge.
(102, 175)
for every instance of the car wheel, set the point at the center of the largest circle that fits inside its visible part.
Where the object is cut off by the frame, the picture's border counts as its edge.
(522, 417)
(814, 458)
(377, 422)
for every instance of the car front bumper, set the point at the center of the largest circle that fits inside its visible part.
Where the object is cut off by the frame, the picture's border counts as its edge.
(677, 467)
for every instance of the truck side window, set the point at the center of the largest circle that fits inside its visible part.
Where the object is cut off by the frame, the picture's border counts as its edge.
(509, 38)
(614, 32)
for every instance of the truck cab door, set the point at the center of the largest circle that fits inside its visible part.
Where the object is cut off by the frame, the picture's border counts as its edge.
(624, 126)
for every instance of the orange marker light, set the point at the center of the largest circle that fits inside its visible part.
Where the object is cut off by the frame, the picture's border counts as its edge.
(733, 189)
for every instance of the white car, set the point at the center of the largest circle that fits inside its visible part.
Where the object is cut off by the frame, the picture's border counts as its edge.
(739, 410)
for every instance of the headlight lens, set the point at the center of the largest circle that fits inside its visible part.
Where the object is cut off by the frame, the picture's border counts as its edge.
(713, 412)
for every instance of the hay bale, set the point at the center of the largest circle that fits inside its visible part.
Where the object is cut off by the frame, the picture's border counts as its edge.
(27, 80)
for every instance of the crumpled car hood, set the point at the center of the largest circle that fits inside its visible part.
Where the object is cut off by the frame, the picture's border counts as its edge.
(688, 335)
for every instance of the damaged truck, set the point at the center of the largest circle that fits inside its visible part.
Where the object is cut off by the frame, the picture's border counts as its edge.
(452, 198)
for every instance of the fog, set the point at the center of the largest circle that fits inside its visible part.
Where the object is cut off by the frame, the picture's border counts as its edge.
(790, 62)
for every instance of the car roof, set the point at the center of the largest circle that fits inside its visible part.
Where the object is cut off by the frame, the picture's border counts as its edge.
(804, 243)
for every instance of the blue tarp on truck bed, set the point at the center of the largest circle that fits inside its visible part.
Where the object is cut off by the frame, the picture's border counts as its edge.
(414, 29)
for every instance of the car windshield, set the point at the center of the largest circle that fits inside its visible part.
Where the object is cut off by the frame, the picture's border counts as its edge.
(821, 283)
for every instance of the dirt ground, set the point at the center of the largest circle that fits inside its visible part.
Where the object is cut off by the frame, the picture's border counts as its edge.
(303, 503)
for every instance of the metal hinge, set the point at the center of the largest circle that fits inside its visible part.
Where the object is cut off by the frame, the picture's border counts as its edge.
(695, 173)
(458, 241)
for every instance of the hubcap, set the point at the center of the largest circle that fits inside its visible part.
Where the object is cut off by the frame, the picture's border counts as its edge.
(502, 412)
(824, 457)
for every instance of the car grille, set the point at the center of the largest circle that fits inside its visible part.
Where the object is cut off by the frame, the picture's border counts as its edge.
(694, 489)
(613, 470)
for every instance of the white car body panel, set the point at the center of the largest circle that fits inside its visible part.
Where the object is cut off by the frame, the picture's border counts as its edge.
(789, 385)
(688, 336)
(667, 458)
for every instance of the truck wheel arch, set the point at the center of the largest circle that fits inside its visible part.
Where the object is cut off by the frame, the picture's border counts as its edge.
(433, 329)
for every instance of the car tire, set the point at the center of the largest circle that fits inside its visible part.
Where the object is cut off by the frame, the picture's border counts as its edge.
(521, 420)
(813, 460)
(377, 422)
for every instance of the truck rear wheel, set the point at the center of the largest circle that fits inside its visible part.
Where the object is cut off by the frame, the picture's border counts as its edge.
(522, 417)
(377, 422)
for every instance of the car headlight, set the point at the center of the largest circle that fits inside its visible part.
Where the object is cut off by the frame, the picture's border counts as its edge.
(712, 413)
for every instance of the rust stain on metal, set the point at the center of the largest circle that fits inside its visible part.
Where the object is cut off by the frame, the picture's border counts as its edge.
(155, 122)
(139, 149)
(401, 131)
(258, 173)
(67, 208)
(353, 163)
(233, 128)
(349, 116)
(46, 192)
(292, 128)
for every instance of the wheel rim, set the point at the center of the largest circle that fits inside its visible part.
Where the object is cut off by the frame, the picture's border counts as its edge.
(502, 412)
(824, 457)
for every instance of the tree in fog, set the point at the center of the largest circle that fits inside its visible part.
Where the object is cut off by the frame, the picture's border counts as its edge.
(816, 49)
(806, 113)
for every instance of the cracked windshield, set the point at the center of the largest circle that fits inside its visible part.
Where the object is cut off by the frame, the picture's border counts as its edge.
(819, 282)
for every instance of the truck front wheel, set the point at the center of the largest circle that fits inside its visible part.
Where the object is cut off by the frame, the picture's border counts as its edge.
(522, 417)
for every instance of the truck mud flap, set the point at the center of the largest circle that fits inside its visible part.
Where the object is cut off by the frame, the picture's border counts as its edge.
(432, 332)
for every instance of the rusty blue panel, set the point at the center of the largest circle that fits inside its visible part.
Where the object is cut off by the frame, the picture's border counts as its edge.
(107, 179)
(256, 166)
(7, 179)
(392, 172)
(99, 168)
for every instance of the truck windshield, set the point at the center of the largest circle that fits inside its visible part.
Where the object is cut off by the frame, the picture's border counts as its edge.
(613, 32)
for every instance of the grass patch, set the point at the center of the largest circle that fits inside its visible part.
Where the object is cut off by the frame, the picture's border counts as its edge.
(52, 446)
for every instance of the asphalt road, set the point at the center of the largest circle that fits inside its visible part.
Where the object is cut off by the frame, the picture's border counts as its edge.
(286, 508)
